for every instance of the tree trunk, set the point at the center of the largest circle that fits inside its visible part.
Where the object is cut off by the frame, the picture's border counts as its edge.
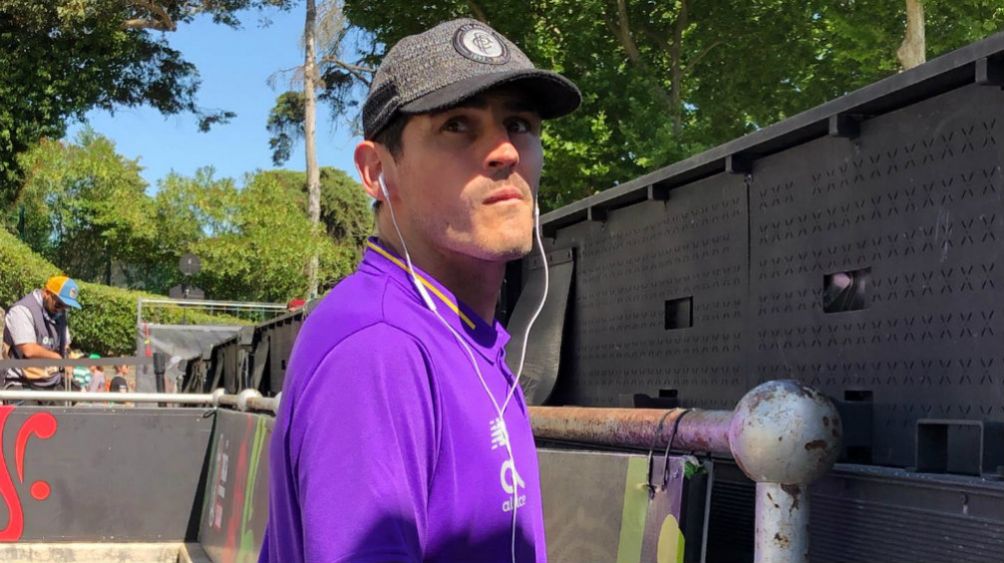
(477, 11)
(676, 91)
(913, 51)
(108, 266)
(310, 139)
(623, 31)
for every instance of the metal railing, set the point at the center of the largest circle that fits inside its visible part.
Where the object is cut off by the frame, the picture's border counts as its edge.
(782, 435)
(247, 400)
(147, 309)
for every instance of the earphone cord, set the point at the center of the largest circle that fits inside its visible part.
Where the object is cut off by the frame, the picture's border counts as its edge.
(499, 410)
(540, 306)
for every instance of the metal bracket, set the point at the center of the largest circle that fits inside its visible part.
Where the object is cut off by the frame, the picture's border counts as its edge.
(554, 257)
(658, 193)
(597, 214)
(845, 125)
(966, 447)
(989, 72)
(738, 164)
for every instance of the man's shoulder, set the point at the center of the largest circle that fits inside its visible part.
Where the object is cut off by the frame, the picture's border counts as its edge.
(355, 313)
(357, 354)
(18, 314)
(356, 303)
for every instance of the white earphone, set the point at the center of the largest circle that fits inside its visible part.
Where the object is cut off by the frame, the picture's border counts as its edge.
(427, 299)
(407, 256)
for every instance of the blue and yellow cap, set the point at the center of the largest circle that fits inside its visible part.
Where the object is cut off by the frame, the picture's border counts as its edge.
(64, 288)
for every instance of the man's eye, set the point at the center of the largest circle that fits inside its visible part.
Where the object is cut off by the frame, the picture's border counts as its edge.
(518, 125)
(456, 125)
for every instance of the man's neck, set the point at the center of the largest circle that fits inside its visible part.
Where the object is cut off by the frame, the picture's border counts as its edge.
(474, 282)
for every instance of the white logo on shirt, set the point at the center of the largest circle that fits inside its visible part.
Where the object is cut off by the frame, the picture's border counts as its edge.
(500, 436)
(511, 482)
(509, 478)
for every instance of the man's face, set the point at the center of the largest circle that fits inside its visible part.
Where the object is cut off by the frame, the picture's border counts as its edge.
(52, 303)
(466, 177)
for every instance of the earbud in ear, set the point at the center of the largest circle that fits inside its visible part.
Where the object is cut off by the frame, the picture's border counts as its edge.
(383, 186)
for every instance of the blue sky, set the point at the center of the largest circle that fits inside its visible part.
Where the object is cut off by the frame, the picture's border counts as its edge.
(234, 65)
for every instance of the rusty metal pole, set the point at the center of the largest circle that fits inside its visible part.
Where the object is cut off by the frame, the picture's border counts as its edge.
(782, 523)
(698, 430)
(782, 434)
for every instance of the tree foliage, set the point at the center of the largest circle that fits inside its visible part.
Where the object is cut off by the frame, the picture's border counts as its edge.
(90, 214)
(261, 238)
(61, 58)
(664, 80)
(88, 207)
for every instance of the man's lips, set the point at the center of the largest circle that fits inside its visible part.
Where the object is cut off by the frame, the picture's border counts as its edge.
(504, 194)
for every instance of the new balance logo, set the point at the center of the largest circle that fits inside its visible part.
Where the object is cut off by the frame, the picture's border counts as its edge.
(500, 436)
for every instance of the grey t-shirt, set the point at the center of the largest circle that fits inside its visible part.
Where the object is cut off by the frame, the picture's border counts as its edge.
(19, 323)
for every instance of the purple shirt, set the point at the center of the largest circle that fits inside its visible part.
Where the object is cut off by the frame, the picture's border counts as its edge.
(386, 446)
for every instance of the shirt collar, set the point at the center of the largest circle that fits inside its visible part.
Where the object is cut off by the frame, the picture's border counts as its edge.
(487, 339)
(41, 303)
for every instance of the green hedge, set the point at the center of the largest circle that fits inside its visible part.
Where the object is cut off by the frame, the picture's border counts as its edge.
(107, 322)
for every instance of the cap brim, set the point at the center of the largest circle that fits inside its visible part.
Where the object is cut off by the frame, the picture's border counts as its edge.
(552, 94)
(69, 302)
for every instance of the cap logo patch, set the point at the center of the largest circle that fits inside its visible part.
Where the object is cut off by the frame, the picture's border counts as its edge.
(73, 293)
(480, 44)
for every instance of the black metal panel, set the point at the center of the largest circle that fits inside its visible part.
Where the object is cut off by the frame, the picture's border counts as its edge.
(908, 219)
(226, 358)
(543, 359)
(635, 272)
(864, 264)
(980, 62)
(282, 334)
(106, 474)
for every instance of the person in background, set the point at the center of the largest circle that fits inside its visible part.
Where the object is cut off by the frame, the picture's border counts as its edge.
(97, 376)
(35, 327)
(80, 375)
(118, 384)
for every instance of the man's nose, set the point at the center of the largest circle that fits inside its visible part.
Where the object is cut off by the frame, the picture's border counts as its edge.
(502, 153)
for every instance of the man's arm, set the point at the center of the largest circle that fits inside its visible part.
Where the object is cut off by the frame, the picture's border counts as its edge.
(32, 350)
(362, 443)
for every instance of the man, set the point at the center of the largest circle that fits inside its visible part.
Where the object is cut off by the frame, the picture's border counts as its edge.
(389, 444)
(35, 328)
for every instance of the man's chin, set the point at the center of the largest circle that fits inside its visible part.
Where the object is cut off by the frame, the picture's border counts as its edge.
(504, 251)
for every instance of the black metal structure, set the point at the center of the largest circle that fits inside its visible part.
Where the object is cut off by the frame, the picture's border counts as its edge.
(255, 358)
(855, 247)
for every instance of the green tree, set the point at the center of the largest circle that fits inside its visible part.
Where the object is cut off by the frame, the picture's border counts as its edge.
(61, 58)
(89, 209)
(345, 208)
(664, 80)
(261, 238)
(91, 216)
(295, 113)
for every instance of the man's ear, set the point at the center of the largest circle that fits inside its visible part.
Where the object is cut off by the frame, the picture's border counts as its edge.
(370, 167)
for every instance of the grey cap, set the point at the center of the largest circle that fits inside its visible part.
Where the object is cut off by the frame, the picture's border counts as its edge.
(451, 62)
